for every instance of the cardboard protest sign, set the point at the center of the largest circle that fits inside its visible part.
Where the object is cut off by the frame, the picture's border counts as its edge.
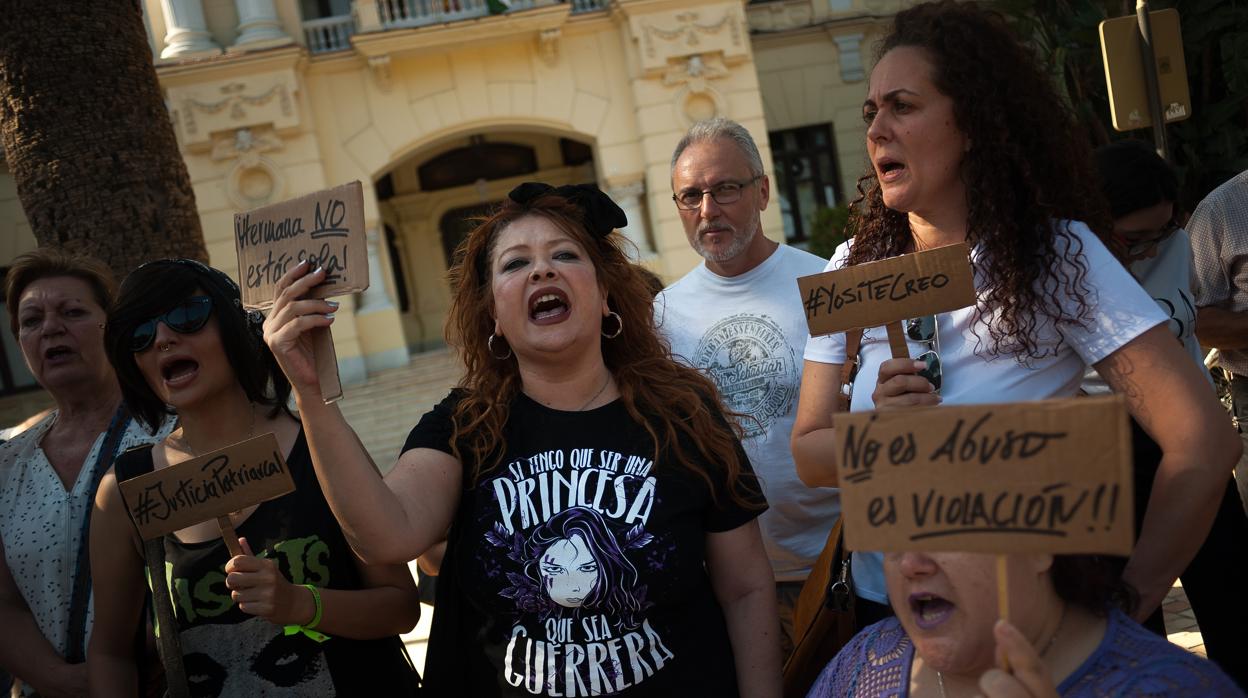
(209, 487)
(326, 229)
(326, 364)
(1051, 476)
(886, 292)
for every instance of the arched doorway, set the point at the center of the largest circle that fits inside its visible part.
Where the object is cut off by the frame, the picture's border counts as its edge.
(430, 199)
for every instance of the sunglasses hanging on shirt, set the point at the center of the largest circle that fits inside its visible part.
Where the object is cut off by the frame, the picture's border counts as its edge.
(923, 329)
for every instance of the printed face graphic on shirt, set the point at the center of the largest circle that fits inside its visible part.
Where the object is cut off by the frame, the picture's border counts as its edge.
(569, 571)
(566, 524)
(252, 658)
(580, 564)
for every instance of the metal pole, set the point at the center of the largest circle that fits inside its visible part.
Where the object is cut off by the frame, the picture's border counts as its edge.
(1149, 57)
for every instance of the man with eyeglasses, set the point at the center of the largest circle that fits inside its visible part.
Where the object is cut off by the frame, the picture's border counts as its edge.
(1219, 233)
(738, 316)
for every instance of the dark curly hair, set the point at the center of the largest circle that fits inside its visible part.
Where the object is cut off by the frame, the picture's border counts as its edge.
(1028, 174)
(679, 406)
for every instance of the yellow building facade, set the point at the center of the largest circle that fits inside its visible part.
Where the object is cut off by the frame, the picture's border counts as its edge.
(439, 107)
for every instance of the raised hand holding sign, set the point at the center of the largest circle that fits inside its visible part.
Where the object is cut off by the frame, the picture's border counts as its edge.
(323, 232)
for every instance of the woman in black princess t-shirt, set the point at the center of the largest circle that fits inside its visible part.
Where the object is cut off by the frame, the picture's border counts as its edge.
(601, 513)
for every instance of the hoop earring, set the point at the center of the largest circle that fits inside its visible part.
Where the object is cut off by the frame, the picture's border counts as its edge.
(619, 325)
(490, 345)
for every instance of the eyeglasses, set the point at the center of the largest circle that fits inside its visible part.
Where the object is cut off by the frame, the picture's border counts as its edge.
(1139, 247)
(923, 329)
(187, 317)
(723, 193)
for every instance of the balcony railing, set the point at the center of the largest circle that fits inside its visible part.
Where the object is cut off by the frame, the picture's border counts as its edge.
(329, 34)
(395, 14)
(588, 5)
(334, 33)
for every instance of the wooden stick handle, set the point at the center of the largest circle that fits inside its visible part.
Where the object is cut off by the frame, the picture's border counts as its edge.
(897, 340)
(229, 535)
(1003, 598)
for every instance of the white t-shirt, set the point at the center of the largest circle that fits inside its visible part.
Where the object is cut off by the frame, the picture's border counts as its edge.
(748, 332)
(1119, 311)
(41, 522)
(1167, 277)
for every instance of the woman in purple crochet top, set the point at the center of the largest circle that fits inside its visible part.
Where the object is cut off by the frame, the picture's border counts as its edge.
(1068, 636)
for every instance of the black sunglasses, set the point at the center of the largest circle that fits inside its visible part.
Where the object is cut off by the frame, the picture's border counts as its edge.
(186, 317)
(923, 329)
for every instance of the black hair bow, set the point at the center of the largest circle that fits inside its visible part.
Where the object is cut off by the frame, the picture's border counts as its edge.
(602, 215)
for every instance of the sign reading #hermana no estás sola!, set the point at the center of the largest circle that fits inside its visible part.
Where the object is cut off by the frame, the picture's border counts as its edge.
(325, 228)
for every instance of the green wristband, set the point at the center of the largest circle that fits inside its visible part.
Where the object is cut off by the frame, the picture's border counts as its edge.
(309, 629)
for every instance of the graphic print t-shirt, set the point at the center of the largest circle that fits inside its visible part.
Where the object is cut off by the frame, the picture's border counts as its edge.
(576, 567)
(230, 653)
(748, 332)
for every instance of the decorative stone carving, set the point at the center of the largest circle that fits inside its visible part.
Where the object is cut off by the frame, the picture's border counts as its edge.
(187, 33)
(258, 26)
(254, 180)
(849, 48)
(696, 100)
(380, 67)
(245, 141)
(548, 45)
(201, 109)
(665, 36)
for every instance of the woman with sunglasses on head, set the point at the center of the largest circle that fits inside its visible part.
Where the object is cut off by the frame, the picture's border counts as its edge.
(601, 512)
(298, 613)
(969, 142)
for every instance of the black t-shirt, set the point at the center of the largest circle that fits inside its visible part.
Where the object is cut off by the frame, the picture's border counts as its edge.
(577, 565)
(230, 653)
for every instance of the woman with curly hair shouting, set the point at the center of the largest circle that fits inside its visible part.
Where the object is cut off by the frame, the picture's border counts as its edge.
(970, 142)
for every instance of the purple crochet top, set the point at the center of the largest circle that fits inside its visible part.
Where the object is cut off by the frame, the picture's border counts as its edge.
(1130, 661)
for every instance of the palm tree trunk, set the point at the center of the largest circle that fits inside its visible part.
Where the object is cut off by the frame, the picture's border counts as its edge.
(87, 135)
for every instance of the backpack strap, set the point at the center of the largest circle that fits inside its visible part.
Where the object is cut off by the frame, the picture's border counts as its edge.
(134, 462)
(80, 595)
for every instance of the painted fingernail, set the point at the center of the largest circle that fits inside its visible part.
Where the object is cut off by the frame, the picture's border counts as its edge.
(329, 316)
(301, 263)
(332, 304)
(318, 270)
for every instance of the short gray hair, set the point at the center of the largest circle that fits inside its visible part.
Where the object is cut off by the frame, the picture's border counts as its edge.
(717, 129)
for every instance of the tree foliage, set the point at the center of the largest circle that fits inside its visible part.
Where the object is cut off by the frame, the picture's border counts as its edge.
(1210, 146)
